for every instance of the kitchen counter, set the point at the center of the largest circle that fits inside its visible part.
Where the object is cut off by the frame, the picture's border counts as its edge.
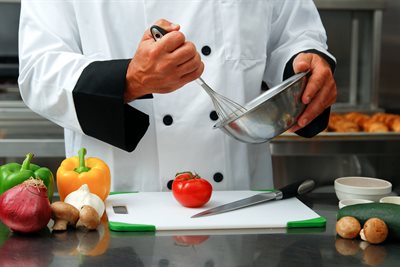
(302, 247)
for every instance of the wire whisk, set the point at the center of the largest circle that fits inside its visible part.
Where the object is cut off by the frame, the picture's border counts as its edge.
(225, 107)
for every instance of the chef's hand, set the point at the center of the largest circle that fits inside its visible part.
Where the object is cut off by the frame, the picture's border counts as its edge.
(320, 92)
(162, 66)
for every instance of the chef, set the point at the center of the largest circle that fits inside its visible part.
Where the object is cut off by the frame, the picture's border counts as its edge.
(93, 68)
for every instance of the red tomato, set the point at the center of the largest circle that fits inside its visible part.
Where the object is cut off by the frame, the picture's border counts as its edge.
(190, 190)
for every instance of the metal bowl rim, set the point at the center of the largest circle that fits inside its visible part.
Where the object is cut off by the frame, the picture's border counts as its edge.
(271, 93)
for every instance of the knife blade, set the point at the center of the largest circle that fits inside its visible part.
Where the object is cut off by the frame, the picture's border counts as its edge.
(291, 190)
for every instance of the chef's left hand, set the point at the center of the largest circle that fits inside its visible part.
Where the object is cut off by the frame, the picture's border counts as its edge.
(320, 92)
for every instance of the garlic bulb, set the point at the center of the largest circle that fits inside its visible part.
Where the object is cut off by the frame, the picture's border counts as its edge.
(82, 197)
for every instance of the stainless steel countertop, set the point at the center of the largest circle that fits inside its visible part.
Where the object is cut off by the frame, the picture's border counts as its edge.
(303, 247)
(337, 144)
(286, 144)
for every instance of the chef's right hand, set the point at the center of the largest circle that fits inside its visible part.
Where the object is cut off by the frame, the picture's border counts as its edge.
(162, 66)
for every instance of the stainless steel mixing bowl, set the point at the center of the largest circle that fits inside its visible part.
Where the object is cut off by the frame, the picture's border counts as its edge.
(269, 114)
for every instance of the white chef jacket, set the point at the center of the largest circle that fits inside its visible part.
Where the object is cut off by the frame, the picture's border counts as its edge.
(68, 49)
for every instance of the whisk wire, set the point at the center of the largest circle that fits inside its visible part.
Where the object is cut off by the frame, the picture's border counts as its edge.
(224, 106)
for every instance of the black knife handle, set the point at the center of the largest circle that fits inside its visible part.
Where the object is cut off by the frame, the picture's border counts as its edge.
(157, 32)
(297, 188)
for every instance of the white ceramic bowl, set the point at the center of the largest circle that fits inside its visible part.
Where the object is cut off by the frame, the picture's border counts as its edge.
(354, 187)
(347, 202)
(390, 199)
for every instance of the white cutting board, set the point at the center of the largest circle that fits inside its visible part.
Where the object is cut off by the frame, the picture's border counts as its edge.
(159, 211)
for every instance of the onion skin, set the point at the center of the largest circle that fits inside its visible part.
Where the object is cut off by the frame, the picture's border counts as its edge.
(25, 208)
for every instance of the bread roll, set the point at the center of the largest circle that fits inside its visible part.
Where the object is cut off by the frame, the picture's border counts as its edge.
(357, 117)
(373, 126)
(338, 123)
(395, 127)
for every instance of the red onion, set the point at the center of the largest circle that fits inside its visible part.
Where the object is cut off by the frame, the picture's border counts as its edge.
(26, 208)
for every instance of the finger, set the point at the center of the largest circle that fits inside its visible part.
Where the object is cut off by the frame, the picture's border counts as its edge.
(325, 98)
(314, 84)
(189, 66)
(167, 25)
(294, 128)
(302, 62)
(171, 41)
(184, 53)
(174, 85)
(192, 75)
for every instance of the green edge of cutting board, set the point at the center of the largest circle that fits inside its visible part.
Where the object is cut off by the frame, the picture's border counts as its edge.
(316, 222)
(127, 227)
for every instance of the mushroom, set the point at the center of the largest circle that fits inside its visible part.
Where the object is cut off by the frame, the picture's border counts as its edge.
(374, 231)
(88, 218)
(63, 215)
(348, 227)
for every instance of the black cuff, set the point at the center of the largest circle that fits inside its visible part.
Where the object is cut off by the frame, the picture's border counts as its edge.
(321, 121)
(99, 104)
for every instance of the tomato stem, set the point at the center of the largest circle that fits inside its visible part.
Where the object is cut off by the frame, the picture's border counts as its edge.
(191, 176)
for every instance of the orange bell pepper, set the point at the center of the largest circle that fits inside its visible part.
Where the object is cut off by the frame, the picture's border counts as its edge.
(76, 171)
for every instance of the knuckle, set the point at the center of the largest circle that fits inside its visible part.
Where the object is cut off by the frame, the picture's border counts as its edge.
(194, 74)
(197, 59)
(162, 22)
(191, 46)
(200, 69)
(326, 72)
(178, 36)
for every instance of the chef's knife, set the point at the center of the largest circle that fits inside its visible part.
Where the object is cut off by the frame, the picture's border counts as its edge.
(291, 190)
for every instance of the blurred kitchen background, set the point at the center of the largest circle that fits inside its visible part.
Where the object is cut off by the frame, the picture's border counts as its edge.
(362, 34)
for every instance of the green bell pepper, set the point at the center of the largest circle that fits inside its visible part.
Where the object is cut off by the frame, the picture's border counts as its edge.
(12, 174)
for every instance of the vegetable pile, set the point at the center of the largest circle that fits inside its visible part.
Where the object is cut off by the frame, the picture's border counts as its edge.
(26, 191)
(190, 190)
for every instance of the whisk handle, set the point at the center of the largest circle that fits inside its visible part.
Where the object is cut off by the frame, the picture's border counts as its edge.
(157, 32)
